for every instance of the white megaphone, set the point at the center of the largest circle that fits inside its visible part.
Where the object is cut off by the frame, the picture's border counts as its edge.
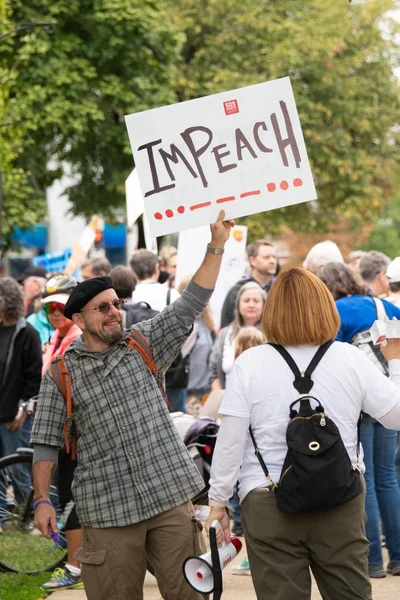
(198, 570)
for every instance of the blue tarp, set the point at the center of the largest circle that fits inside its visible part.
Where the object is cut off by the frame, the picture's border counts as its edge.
(31, 238)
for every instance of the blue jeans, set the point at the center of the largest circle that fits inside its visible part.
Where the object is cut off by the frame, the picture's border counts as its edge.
(398, 458)
(19, 475)
(177, 399)
(383, 494)
(236, 508)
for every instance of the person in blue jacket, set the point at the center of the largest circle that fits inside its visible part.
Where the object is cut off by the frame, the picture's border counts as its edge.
(358, 311)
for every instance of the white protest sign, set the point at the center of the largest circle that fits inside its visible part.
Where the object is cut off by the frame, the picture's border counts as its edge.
(241, 150)
(134, 199)
(191, 249)
(135, 208)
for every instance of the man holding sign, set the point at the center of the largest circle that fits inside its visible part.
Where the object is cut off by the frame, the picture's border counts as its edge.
(134, 478)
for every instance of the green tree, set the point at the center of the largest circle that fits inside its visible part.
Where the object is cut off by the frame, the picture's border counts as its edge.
(105, 59)
(68, 92)
(22, 204)
(341, 67)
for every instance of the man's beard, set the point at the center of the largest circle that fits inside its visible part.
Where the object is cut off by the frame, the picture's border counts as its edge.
(113, 337)
(109, 338)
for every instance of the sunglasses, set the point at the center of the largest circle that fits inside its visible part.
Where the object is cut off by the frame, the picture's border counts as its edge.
(51, 307)
(105, 307)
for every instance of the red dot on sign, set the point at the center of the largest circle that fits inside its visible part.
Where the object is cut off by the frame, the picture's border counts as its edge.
(284, 185)
(297, 182)
(169, 213)
(271, 187)
(158, 216)
(181, 209)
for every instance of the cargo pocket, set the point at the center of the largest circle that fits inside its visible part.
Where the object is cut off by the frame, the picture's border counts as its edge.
(199, 536)
(96, 573)
(200, 541)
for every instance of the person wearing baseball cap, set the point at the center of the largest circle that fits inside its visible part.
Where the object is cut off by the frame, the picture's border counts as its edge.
(56, 294)
(134, 479)
(33, 281)
(55, 297)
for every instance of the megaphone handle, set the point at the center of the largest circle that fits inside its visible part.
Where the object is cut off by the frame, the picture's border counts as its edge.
(216, 565)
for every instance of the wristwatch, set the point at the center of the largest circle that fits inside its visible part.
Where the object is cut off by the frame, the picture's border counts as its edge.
(212, 250)
(22, 404)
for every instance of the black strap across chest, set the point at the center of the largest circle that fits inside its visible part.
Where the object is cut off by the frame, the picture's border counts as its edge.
(303, 382)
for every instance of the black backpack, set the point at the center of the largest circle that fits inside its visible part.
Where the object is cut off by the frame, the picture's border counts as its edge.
(135, 313)
(177, 375)
(317, 472)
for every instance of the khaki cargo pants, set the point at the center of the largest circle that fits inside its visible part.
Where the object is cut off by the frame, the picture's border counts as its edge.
(114, 559)
(282, 549)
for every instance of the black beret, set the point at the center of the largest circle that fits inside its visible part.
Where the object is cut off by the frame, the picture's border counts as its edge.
(84, 292)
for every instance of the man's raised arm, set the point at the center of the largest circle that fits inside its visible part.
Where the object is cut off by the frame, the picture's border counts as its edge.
(207, 274)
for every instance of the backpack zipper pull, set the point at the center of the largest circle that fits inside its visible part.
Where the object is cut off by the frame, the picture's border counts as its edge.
(323, 420)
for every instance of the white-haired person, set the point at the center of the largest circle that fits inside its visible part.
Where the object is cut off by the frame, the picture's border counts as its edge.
(322, 254)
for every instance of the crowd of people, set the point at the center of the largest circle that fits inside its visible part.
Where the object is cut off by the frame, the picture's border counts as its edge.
(121, 332)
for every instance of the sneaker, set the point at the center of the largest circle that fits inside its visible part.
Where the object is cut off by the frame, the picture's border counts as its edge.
(393, 568)
(376, 572)
(62, 579)
(242, 569)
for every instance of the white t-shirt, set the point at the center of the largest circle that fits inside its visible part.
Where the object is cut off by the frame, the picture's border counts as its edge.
(260, 391)
(154, 293)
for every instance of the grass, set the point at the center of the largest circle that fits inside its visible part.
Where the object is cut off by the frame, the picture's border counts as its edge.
(14, 586)
(23, 550)
(27, 552)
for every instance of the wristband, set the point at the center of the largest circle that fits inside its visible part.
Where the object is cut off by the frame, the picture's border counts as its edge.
(36, 504)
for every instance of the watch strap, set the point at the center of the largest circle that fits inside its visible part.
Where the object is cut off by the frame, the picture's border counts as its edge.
(217, 251)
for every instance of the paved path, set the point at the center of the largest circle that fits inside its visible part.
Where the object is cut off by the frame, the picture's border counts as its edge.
(241, 587)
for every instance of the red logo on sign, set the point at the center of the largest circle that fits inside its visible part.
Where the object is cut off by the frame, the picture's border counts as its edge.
(231, 107)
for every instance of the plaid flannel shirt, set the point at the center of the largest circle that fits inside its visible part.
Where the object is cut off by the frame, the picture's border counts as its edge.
(132, 464)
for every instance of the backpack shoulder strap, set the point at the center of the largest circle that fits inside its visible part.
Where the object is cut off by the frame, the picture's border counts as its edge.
(380, 309)
(303, 382)
(169, 297)
(318, 356)
(138, 341)
(56, 375)
(62, 378)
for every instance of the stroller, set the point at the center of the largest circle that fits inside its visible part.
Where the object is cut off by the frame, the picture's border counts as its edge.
(199, 436)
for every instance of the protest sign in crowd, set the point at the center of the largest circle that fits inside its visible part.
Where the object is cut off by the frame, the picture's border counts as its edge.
(208, 382)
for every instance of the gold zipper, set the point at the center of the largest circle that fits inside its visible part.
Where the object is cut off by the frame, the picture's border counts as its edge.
(321, 415)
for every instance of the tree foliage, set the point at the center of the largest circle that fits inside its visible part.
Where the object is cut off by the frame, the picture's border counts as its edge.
(68, 92)
(23, 205)
(106, 58)
(340, 63)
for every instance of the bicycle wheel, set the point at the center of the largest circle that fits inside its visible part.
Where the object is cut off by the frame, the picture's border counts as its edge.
(22, 548)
